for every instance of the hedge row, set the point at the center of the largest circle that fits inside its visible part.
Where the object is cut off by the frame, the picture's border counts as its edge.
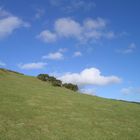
(56, 82)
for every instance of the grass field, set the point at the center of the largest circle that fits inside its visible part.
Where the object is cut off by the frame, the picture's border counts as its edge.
(34, 110)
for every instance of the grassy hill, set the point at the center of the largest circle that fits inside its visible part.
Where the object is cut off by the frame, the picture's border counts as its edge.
(34, 110)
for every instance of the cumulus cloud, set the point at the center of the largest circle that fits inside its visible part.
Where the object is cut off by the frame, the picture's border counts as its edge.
(31, 66)
(54, 56)
(67, 27)
(90, 29)
(89, 76)
(95, 24)
(9, 23)
(76, 54)
(47, 36)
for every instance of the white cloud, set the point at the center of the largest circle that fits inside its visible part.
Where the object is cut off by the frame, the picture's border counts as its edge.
(67, 27)
(2, 64)
(130, 90)
(95, 24)
(89, 76)
(47, 36)
(90, 29)
(54, 56)
(76, 54)
(9, 23)
(31, 66)
(130, 49)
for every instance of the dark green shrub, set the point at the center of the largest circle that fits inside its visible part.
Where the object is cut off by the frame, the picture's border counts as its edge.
(57, 83)
(51, 79)
(43, 77)
(71, 86)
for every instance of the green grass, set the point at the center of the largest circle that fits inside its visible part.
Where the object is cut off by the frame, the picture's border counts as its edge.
(34, 110)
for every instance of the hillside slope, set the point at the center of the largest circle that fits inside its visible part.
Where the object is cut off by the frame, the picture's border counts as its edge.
(34, 110)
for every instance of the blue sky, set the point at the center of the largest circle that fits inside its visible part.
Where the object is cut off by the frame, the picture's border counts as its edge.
(94, 44)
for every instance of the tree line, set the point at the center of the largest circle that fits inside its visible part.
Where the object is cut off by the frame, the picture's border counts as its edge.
(56, 82)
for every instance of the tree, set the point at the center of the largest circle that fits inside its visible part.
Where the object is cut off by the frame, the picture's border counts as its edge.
(51, 79)
(71, 86)
(43, 77)
(57, 83)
